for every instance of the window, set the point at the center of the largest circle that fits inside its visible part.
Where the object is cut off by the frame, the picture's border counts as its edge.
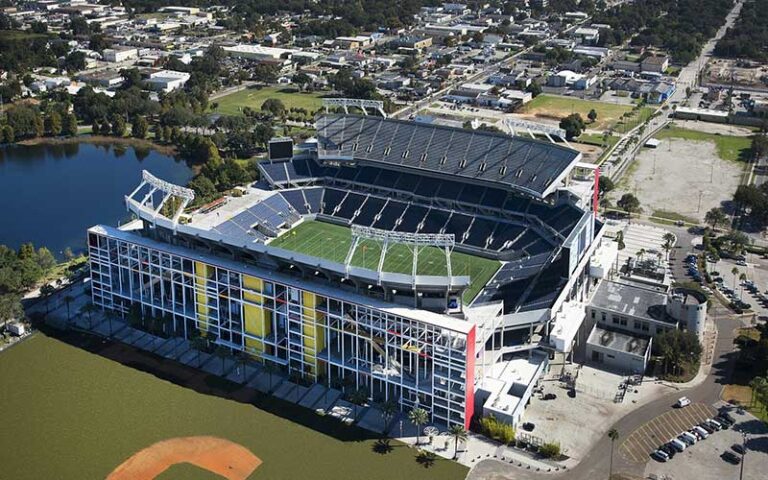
(593, 314)
(602, 316)
(637, 325)
(659, 330)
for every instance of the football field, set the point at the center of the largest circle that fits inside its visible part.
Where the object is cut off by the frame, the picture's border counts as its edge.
(332, 242)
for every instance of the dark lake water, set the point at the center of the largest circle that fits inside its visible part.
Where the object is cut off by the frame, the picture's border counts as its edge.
(50, 194)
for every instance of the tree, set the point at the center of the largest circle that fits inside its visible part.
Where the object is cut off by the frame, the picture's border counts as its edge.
(69, 128)
(68, 300)
(629, 203)
(140, 127)
(46, 291)
(735, 273)
(716, 216)
(358, 398)
(199, 343)
(592, 115)
(669, 242)
(53, 124)
(459, 434)
(742, 279)
(573, 125)
(88, 310)
(118, 125)
(759, 148)
(534, 89)
(274, 106)
(271, 369)
(678, 348)
(9, 136)
(613, 434)
(10, 308)
(757, 385)
(301, 80)
(418, 417)
(388, 410)
(605, 185)
(106, 128)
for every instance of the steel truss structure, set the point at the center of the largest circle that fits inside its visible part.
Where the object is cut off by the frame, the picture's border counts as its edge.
(167, 189)
(345, 103)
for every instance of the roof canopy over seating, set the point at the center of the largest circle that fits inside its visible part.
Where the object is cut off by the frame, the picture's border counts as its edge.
(527, 165)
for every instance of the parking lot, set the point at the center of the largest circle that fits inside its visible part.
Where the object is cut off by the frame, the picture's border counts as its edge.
(648, 437)
(752, 292)
(706, 459)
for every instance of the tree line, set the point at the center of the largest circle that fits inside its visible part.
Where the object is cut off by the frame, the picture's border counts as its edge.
(681, 28)
(748, 37)
(20, 270)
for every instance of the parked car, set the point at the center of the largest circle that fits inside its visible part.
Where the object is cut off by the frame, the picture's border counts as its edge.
(739, 448)
(715, 424)
(688, 437)
(727, 416)
(731, 457)
(723, 421)
(660, 455)
(683, 402)
(678, 445)
(699, 432)
(668, 449)
(707, 427)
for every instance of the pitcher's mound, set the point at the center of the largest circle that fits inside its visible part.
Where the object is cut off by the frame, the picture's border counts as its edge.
(228, 459)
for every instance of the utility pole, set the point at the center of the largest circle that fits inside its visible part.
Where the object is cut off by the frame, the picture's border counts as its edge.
(743, 453)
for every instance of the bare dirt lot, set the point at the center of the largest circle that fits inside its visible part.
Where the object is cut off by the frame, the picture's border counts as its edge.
(686, 177)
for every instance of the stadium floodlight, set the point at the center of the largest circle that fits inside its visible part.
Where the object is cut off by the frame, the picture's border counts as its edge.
(414, 241)
(345, 103)
(145, 208)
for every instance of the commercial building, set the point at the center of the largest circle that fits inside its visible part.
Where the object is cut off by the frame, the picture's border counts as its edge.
(120, 54)
(444, 268)
(167, 80)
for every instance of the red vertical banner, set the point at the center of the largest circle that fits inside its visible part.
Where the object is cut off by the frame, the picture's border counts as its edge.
(596, 194)
(469, 388)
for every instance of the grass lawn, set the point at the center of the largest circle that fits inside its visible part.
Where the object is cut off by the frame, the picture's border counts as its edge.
(233, 103)
(557, 107)
(72, 414)
(332, 242)
(665, 217)
(729, 147)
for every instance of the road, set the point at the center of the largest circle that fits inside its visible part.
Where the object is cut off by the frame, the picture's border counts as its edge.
(617, 162)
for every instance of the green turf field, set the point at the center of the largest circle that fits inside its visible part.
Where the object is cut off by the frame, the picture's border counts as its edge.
(332, 242)
(69, 414)
(729, 147)
(557, 107)
(233, 103)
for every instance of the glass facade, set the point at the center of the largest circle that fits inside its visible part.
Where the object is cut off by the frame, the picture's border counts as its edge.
(317, 337)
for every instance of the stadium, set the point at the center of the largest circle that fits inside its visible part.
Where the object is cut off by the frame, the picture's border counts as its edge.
(428, 265)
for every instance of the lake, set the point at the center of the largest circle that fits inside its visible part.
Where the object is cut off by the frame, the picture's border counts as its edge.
(50, 194)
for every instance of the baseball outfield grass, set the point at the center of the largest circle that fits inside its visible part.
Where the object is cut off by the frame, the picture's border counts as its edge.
(332, 242)
(72, 414)
(608, 114)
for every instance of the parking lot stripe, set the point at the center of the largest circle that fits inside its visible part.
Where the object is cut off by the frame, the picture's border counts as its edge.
(677, 423)
(669, 433)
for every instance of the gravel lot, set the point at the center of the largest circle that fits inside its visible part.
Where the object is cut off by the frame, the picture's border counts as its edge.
(672, 177)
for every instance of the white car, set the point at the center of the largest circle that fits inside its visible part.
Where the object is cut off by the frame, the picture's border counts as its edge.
(683, 402)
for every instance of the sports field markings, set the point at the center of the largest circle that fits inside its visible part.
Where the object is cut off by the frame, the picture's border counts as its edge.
(648, 437)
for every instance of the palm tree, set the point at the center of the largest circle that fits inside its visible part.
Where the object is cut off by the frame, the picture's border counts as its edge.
(270, 368)
(222, 352)
(669, 242)
(458, 433)
(88, 310)
(388, 410)
(358, 397)
(198, 343)
(742, 279)
(418, 417)
(46, 291)
(735, 272)
(68, 299)
(613, 434)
